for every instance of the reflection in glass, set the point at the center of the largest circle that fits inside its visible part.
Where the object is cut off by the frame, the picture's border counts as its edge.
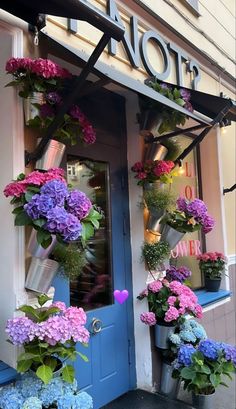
(93, 288)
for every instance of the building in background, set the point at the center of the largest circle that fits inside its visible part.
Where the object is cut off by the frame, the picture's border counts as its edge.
(189, 43)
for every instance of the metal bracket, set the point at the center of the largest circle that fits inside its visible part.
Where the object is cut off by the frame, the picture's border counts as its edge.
(231, 189)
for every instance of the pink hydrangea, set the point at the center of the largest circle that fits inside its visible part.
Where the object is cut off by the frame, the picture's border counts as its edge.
(80, 334)
(155, 286)
(148, 318)
(163, 167)
(176, 287)
(141, 175)
(59, 304)
(76, 315)
(137, 167)
(171, 300)
(15, 189)
(198, 311)
(171, 314)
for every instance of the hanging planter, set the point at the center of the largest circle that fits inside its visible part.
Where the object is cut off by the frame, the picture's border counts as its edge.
(169, 386)
(40, 275)
(171, 236)
(52, 155)
(153, 224)
(30, 110)
(36, 250)
(155, 151)
(149, 121)
(162, 332)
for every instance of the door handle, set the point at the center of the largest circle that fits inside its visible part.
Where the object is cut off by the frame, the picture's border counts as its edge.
(96, 326)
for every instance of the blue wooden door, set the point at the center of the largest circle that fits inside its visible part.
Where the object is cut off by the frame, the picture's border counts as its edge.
(99, 170)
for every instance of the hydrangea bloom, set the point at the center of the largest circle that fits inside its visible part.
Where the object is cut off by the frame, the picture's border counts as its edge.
(152, 170)
(148, 318)
(178, 273)
(185, 354)
(10, 398)
(64, 223)
(209, 348)
(155, 286)
(78, 204)
(20, 330)
(56, 190)
(32, 403)
(39, 206)
(230, 352)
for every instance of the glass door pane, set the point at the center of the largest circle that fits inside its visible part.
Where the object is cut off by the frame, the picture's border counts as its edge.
(94, 287)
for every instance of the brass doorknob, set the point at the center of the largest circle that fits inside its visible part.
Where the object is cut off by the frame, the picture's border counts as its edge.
(96, 326)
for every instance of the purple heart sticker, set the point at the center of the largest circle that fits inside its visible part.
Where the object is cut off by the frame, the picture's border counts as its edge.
(121, 296)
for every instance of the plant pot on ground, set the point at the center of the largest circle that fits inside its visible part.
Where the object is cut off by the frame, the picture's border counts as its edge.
(157, 202)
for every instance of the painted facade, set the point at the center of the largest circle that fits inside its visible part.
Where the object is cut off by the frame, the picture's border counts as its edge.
(167, 38)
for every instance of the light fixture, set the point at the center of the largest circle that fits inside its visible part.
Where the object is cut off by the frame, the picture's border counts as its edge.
(181, 169)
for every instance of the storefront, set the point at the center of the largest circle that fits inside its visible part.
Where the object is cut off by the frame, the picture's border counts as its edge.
(121, 352)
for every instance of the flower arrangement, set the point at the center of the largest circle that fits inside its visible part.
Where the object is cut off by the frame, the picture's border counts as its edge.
(47, 335)
(203, 368)
(153, 170)
(40, 75)
(75, 122)
(169, 302)
(212, 264)
(181, 273)
(170, 117)
(43, 201)
(155, 253)
(189, 216)
(31, 393)
(159, 199)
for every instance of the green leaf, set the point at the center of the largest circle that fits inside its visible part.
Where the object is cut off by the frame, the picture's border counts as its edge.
(82, 356)
(187, 373)
(68, 373)
(28, 196)
(215, 379)
(45, 373)
(17, 210)
(42, 236)
(22, 219)
(23, 366)
(26, 356)
(39, 222)
(87, 230)
(51, 362)
(30, 311)
(42, 299)
(205, 369)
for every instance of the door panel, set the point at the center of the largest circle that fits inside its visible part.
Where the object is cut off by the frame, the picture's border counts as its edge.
(107, 374)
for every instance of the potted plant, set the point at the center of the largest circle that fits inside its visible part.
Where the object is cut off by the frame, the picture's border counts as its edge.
(204, 368)
(48, 336)
(187, 332)
(151, 171)
(154, 254)
(156, 118)
(212, 265)
(157, 201)
(71, 259)
(43, 201)
(34, 78)
(168, 303)
(174, 148)
(189, 216)
(30, 392)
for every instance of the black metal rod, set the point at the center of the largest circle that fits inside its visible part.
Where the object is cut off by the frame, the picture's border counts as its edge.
(202, 135)
(175, 133)
(69, 100)
(229, 189)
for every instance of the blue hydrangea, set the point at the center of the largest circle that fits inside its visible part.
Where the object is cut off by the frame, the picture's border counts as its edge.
(175, 339)
(210, 349)
(10, 398)
(57, 191)
(83, 401)
(32, 403)
(230, 352)
(51, 392)
(187, 336)
(29, 386)
(66, 402)
(185, 355)
(200, 332)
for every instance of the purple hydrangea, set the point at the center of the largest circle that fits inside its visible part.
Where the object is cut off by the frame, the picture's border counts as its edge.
(185, 94)
(181, 204)
(209, 348)
(208, 223)
(185, 355)
(57, 190)
(178, 273)
(197, 208)
(39, 206)
(20, 330)
(53, 98)
(78, 204)
(64, 223)
(230, 352)
(45, 111)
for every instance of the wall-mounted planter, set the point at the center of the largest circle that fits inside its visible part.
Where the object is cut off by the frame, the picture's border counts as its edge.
(31, 111)
(153, 223)
(52, 156)
(169, 386)
(36, 250)
(149, 122)
(162, 333)
(40, 275)
(171, 236)
(155, 151)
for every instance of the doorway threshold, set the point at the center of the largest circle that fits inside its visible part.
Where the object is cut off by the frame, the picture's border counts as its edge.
(139, 399)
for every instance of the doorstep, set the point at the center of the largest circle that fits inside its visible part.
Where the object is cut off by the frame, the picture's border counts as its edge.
(139, 399)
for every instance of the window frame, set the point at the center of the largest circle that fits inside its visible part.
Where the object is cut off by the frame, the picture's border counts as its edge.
(192, 5)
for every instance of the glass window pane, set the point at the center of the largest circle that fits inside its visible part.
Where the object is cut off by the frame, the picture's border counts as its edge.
(93, 288)
(186, 184)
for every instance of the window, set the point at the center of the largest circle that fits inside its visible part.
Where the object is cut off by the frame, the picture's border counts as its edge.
(192, 244)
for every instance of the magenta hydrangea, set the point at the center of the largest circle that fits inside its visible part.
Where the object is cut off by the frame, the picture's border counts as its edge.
(78, 204)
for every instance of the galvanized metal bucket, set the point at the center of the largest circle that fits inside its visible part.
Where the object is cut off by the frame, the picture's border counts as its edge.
(31, 111)
(40, 275)
(52, 155)
(162, 333)
(171, 236)
(36, 250)
(155, 151)
(150, 122)
(153, 223)
(203, 401)
(169, 386)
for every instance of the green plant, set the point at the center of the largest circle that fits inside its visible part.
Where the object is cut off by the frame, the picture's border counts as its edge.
(71, 257)
(170, 117)
(202, 369)
(159, 199)
(174, 148)
(48, 336)
(155, 253)
(212, 264)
